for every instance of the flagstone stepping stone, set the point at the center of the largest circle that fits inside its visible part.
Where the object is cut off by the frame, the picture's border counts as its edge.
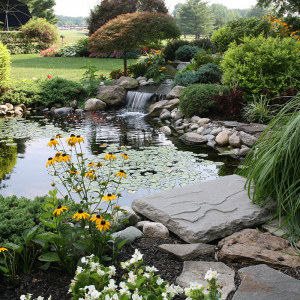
(252, 128)
(264, 283)
(193, 138)
(187, 251)
(194, 271)
(250, 245)
(230, 123)
(205, 211)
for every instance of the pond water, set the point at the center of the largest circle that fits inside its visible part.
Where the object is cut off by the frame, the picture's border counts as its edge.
(156, 162)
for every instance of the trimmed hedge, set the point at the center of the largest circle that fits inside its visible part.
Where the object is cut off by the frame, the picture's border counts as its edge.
(4, 66)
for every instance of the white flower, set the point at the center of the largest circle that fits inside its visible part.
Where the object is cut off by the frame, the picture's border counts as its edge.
(164, 295)
(136, 296)
(25, 297)
(100, 272)
(125, 264)
(159, 281)
(84, 260)
(112, 271)
(111, 286)
(173, 290)
(95, 294)
(131, 277)
(147, 275)
(115, 297)
(40, 298)
(94, 266)
(151, 269)
(107, 297)
(137, 256)
(79, 270)
(210, 274)
(195, 286)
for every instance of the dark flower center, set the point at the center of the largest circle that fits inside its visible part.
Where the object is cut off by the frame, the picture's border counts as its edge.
(59, 207)
(108, 195)
(72, 135)
(78, 136)
(98, 216)
(80, 211)
(103, 222)
(121, 171)
(52, 139)
(64, 154)
(50, 158)
(109, 153)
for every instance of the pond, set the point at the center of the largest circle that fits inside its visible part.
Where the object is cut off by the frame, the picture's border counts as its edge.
(156, 162)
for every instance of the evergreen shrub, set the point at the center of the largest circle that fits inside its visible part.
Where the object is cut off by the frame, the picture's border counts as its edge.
(186, 52)
(4, 66)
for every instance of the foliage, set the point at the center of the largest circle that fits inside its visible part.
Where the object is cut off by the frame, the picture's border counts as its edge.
(49, 52)
(138, 69)
(230, 105)
(80, 48)
(154, 63)
(235, 31)
(26, 92)
(194, 17)
(60, 90)
(90, 80)
(186, 52)
(140, 282)
(133, 30)
(282, 7)
(110, 9)
(4, 66)
(199, 99)
(261, 63)
(42, 9)
(209, 73)
(270, 167)
(71, 21)
(40, 29)
(117, 73)
(8, 159)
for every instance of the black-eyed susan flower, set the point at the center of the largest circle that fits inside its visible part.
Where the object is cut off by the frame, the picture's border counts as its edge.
(121, 174)
(104, 225)
(79, 139)
(58, 136)
(59, 210)
(90, 165)
(74, 172)
(96, 218)
(81, 215)
(71, 141)
(124, 155)
(2, 249)
(90, 174)
(65, 157)
(109, 197)
(109, 156)
(98, 165)
(57, 156)
(53, 142)
(50, 162)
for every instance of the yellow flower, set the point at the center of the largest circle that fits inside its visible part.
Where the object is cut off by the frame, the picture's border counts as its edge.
(74, 172)
(98, 165)
(81, 215)
(104, 225)
(109, 197)
(117, 207)
(2, 249)
(58, 136)
(57, 156)
(90, 174)
(79, 139)
(96, 218)
(71, 141)
(78, 190)
(109, 156)
(125, 156)
(65, 157)
(163, 68)
(53, 142)
(90, 165)
(59, 210)
(50, 162)
(121, 174)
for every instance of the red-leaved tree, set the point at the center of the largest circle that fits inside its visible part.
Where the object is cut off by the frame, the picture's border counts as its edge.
(131, 31)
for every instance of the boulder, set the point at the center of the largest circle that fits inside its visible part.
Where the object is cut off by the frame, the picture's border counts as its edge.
(230, 124)
(181, 65)
(9, 106)
(63, 111)
(247, 139)
(113, 95)
(203, 121)
(260, 248)
(165, 115)
(194, 271)
(94, 104)
(234, 140)
(128, 214)
(155, 229)
(264, 283)
(172, 104)
(139, 225)
(187, 251)
(195, 119)
(244, 150)
(175, 92)
(194, 126)
(156, 108)
(140, 78)
(193, 138)
(166, 130)
(18, 113)
(200, 130)
(170, 70)
(252, 128)
(128, 83)
(216, 131)
(73, 103)
(179, 115)
(222, 138)
(130, 234)
(3, 108)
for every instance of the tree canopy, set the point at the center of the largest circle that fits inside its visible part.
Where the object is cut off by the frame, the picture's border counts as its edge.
(282, 7)
(110, 9)
(133, 30)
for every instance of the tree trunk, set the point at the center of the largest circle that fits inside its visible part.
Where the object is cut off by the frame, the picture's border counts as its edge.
(125, 62)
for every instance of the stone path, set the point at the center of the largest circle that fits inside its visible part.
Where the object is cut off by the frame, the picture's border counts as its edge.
(203, 212)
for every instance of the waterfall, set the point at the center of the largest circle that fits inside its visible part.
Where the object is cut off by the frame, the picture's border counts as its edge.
(139, 101)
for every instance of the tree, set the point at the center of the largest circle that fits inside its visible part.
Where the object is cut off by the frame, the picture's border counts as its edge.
(282, 7)
(194, 17)
(42, 9)
(133, 30)
(110, 9)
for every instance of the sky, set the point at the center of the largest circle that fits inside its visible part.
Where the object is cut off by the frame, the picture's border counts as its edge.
(81, 8)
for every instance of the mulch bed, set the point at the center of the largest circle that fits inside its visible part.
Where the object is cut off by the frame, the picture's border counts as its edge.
(55, 282)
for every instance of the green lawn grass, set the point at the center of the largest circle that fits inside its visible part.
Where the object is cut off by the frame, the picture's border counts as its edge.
(70, 37)
(27, 66)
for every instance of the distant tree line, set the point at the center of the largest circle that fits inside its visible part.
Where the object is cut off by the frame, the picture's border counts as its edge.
(71, 21)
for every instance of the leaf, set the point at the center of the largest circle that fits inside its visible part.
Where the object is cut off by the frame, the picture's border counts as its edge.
(45, 266)
(28, 234)
(49, 257)
(47, 236)
(13, 247)
(80, 246)
(3, 269)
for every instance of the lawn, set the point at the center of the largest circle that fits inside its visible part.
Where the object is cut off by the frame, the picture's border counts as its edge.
(70, 37)
(32, 65)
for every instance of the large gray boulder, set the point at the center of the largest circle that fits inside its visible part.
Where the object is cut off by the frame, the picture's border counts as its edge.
(193, 138)
(247, 139)
(156, 108)
(130, 234)
(93, 104)
(205, 211)
(264, 283)
(171, 104)
(113, 95)
(175, 92)
(128, 83)
(63, 111)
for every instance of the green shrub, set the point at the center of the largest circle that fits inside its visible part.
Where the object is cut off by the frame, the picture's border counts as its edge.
(83, 47)
(60, 90)
(205, 44)
(209, 73)
(78, 49)
(261, 64)
(186, 52)
(41, 30)
(137, 70)
(4, 66)
(236, 30)
(26, 92)
(199, 99)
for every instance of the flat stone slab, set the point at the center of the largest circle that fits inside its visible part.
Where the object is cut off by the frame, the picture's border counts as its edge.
(264, 283)
(252, 129)
(194, 271)
(187, 251)
(205, 211)
(231, 124)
